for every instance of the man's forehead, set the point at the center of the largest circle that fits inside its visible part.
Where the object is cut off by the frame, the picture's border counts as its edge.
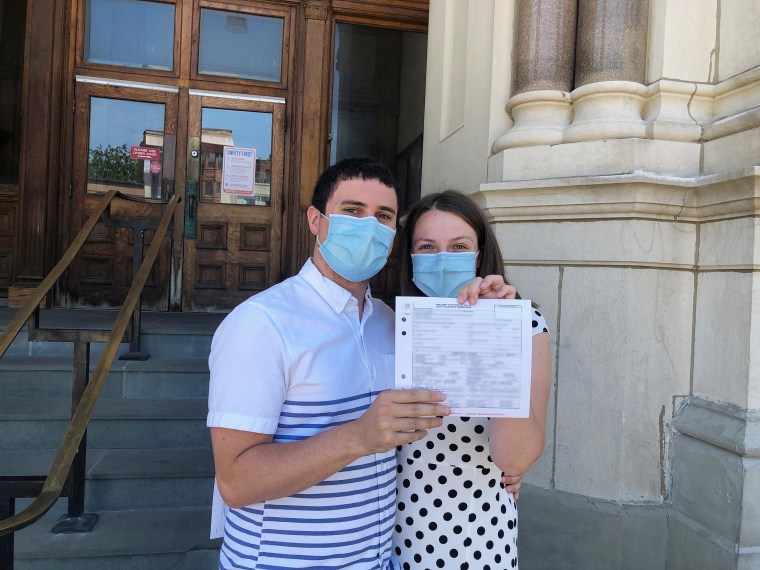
(359, 191)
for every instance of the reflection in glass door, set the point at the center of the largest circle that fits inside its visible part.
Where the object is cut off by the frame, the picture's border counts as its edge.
(247, 136)
(125, 147)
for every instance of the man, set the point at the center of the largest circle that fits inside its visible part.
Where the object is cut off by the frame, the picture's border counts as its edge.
(303, 422)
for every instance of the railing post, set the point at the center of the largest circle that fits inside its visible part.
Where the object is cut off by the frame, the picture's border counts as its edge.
(137, 258)
(7, 510)
(76, 520)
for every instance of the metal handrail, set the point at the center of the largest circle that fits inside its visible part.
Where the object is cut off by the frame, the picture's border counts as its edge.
(59, 470)
(23, 314)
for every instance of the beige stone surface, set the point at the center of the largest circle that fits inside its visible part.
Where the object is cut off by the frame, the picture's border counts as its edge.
(595, 158)
(541, 284)
(722, 335)
(730, 244)
(457, 157)
(739, 48)
(753, 394)
(606, 242)
(624, 352)
(732, 152)
(682, 40)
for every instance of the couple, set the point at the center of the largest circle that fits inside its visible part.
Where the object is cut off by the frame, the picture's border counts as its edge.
(305, 421)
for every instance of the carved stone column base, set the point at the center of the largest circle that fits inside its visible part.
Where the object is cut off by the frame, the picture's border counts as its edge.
(676, 111)
(540, 117)
(608, 110)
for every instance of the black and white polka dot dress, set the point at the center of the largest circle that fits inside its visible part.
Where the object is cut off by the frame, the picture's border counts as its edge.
(452, 511)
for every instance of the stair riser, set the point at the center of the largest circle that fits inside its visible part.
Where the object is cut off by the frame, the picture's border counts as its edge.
(104, 434)
(193, 560)
(127, 384)
(142, 493)
(155, 344)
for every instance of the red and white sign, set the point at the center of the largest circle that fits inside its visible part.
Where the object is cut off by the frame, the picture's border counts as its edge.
(145, 152)
(155, 166)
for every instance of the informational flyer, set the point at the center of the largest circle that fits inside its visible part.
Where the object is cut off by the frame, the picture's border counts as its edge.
(478, 355)
(239, 171)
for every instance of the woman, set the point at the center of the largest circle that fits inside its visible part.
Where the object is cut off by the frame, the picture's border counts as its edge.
(453, 511)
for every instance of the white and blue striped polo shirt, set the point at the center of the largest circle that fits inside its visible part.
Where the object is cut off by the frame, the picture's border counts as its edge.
(293, 361)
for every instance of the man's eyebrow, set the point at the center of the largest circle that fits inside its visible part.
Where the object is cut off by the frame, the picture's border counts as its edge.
(364, 205)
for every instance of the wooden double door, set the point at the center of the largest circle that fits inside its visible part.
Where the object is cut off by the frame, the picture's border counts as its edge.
(223, 153)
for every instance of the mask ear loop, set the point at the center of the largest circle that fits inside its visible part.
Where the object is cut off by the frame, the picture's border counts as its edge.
(319, 243)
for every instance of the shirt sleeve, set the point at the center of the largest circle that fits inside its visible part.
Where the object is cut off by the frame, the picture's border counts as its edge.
(248, 383)
(539, 323)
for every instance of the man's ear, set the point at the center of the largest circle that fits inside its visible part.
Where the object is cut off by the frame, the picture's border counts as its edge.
(313, 215)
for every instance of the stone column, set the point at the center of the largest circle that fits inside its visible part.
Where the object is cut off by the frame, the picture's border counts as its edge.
(610, 67)
(543, 73)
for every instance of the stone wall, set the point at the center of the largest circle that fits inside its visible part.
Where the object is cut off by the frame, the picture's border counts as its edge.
(626, 201)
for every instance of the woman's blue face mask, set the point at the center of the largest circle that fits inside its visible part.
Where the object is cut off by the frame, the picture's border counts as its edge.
(356, 248)
(443, 274)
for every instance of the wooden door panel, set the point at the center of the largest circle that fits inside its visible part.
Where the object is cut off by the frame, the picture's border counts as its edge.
(102, 273)
(236, 248)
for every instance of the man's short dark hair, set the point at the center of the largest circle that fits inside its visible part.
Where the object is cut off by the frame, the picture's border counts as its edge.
(365, 168)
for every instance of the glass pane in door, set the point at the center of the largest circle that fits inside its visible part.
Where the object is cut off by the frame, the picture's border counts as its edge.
(126, 147)
(236, 157)
(241, 45)
(132, 33)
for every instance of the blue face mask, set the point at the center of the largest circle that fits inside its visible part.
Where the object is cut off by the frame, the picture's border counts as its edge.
(443, 274)
(356, 248)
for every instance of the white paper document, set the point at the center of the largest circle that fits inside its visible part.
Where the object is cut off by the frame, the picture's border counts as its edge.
(478, 355)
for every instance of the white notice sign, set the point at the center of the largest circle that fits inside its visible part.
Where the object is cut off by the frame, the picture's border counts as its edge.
(239, 171)
(478, 355)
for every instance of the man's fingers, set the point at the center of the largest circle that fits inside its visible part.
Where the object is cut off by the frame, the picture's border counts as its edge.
(412, 395)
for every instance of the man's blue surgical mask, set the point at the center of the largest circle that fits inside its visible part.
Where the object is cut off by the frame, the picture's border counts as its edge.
(356, 248)
(443, 274)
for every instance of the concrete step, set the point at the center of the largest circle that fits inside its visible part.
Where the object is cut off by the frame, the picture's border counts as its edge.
(122, 423)
(50, 377)
(166, 335)
(123, 540)
(125, 479)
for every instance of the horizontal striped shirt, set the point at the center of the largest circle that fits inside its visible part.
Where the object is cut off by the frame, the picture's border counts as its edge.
(293, 361)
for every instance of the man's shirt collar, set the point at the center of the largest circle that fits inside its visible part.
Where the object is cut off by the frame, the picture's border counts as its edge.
(333, 294)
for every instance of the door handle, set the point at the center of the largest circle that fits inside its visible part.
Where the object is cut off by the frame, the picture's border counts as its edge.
(191, 189)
